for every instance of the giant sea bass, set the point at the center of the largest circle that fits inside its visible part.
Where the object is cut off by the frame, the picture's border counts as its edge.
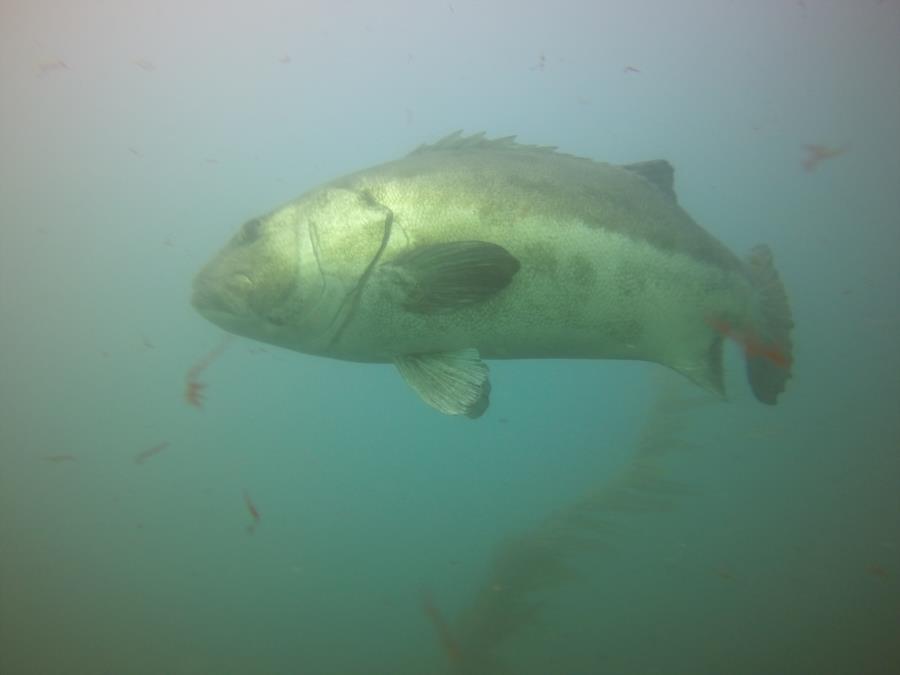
(471, 249)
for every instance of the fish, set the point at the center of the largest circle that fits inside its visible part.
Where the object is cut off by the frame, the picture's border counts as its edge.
(471, 249)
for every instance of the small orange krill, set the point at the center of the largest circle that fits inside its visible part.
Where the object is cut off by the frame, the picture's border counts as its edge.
(193, 393)
(817, 154)
(877, 570)
(144, 455)
(254, 513)
(193, 389)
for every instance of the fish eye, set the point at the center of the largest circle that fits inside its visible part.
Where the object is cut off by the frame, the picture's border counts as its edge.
(250, 230)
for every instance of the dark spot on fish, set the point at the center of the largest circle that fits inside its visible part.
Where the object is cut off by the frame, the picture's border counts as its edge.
(532, 186)
(250, 231)
(617, 200)
(582, 271)
(628, 283)
(542, 259)
(627, 331)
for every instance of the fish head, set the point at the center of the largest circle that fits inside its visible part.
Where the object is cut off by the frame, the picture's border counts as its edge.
(246, 285)
(284, 278)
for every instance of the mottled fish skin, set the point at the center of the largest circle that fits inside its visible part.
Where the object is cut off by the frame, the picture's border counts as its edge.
(608, 264)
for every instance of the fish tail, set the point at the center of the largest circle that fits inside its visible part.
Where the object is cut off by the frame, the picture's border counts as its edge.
(770, 359)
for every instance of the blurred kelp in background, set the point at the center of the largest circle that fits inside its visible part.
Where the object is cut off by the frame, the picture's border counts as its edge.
(526, 568)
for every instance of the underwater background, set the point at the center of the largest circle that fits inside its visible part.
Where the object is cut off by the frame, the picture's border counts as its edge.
(314, 516)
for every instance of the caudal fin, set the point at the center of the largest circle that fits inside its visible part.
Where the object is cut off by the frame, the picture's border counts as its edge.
(769, 369)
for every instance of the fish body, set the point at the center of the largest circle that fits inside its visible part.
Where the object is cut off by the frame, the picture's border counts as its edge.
(472, 249)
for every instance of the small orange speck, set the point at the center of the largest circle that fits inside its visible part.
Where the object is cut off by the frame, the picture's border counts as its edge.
(877, 570)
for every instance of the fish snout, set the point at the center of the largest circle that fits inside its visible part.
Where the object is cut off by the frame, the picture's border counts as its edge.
(202, 298)
(226, 294)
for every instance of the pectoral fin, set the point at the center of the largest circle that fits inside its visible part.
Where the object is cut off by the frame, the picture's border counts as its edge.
(447, 276)
(455, 383)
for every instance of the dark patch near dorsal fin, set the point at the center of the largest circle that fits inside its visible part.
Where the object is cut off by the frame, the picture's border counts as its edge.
(657, 171)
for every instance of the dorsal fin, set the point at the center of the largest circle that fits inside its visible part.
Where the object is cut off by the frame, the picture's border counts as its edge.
(657, 171)
(456, 141)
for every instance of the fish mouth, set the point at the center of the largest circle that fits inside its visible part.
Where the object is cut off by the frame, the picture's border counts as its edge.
(213, 297)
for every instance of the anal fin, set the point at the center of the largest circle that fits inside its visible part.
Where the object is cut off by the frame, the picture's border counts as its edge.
(706, 369)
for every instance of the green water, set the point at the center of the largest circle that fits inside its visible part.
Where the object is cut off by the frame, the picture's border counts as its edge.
(602, 517)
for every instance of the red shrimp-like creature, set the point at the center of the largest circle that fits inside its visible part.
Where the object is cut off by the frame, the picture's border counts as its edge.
(193, 389)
